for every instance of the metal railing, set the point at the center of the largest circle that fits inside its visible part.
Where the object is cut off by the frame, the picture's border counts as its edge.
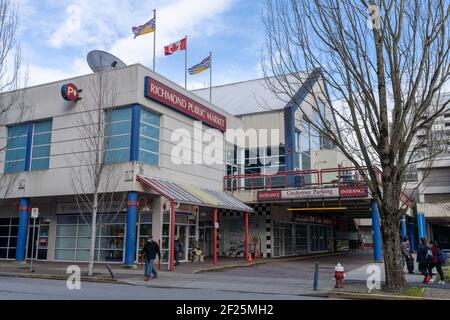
(325, 178)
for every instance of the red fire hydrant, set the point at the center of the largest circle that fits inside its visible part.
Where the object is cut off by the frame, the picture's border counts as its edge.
(339, 275)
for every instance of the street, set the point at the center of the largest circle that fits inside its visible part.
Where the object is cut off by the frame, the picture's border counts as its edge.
(12, 288)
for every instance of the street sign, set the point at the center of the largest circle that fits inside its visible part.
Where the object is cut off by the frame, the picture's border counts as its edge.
(34, 213)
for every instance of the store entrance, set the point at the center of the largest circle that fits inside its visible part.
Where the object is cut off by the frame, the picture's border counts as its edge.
(41, 231)
(205, 240)
(181, 233)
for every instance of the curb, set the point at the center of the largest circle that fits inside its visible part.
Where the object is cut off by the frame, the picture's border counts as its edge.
(372, 296)
(57, 277)
(233, 266)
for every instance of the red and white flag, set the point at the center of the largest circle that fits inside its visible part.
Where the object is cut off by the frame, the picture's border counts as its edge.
(176, 46)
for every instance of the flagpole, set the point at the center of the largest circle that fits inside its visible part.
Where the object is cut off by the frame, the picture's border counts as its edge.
(210, 77)
(154, 41)
(185, 64)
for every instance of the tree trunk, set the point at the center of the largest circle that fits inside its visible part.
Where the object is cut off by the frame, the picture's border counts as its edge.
(395, 277)
(93, 236)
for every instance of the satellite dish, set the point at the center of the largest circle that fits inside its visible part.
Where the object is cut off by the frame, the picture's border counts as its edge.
(100, 61)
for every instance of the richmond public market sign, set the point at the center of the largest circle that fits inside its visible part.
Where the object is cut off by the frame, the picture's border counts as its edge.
(319, 193)
(160, 92)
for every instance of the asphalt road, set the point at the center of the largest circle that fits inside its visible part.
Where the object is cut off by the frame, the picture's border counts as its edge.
(12, 288)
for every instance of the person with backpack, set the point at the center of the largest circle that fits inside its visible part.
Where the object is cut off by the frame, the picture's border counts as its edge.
(435, 262)
(423, 259)
(150, 251)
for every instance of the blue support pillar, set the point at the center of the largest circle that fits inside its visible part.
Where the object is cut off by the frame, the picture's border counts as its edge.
(376, 231)
(23, 229)
(412, 244)
(130, 240)
(421, 225)
(135, 132)
(403, 227)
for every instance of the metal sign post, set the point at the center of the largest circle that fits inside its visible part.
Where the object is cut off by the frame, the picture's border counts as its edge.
(34, 216)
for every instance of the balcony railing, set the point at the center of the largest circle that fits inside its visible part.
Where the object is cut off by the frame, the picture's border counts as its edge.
(303, 179)
(300, 179)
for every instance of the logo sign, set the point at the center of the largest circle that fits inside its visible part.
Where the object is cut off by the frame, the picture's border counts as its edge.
(34, 213)
(157, 91)
(70, 92)
(343, 192)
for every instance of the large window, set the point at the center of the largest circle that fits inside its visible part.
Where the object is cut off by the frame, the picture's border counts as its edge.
(36, 137)
(8, 237)
(16, 150)
(42, 139)
(149, 138)
(118, 135)
(73, 237)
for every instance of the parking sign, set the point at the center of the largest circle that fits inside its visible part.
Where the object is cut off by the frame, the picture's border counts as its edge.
(34, 213)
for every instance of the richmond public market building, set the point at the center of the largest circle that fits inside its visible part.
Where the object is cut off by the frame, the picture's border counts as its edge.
(302, 201)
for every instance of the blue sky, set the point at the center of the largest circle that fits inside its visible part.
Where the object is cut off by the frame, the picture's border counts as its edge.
(56, 36)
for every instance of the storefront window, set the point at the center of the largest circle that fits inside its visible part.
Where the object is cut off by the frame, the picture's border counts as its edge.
(8, 237)
(73, 237)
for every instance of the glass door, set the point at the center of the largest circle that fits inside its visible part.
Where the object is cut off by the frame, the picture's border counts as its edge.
(181, 233)
(41, 231)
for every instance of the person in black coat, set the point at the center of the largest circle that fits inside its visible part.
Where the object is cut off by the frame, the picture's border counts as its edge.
(150, 251)
(423, 260)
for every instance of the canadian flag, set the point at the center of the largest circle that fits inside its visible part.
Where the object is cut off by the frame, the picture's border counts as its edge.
(174, 47)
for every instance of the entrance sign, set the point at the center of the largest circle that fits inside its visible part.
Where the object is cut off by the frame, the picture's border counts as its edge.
(155, 90)
(319, 193)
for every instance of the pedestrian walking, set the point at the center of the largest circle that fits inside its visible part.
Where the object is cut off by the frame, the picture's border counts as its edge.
(150, 251)
(435, 263)
(423, 260)
(178, 249)
(407, 255)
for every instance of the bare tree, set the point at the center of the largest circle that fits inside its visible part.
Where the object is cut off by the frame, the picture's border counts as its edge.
(381, 63)
(12, 106)
(94, 178)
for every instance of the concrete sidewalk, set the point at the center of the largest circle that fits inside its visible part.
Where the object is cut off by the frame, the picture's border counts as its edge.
(356, 283)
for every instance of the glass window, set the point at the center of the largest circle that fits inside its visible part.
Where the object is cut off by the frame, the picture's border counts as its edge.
(42, 139)
(118, 135)
(74, 233)
(149, 138)
(16, 148)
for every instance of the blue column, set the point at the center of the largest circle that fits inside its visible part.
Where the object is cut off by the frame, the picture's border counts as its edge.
(424, 226)
(23, 229)
(421, 225)
(412, 245)
(135, 132)
(130, 240)
(376, 231)
(403, 227)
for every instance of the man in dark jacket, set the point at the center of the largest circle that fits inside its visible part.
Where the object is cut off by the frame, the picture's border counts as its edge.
(151, 249)
(422, 259)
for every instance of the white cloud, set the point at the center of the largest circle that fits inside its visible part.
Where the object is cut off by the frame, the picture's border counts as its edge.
(39, 74)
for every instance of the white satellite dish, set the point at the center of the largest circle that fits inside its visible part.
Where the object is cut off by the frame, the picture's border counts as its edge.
(100, 61)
